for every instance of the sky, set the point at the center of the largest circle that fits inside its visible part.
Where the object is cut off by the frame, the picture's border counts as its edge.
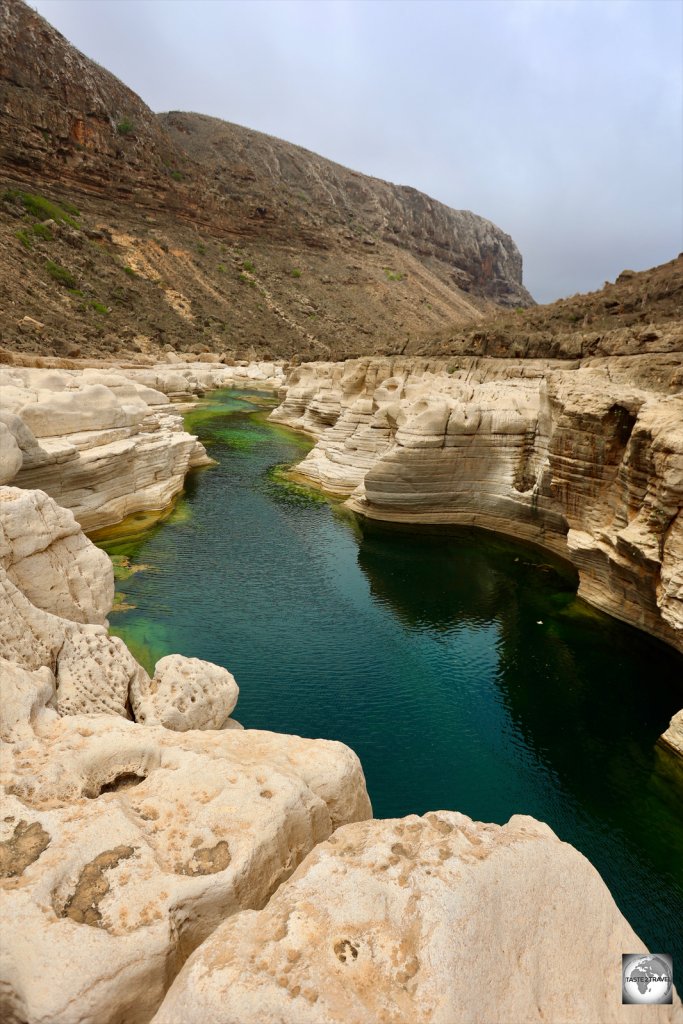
(559, 120)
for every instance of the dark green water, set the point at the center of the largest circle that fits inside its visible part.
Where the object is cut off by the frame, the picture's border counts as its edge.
(458, 665)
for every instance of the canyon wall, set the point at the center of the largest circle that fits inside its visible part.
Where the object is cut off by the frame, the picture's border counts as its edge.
(152, 838)
(584, 458)
(105, 442)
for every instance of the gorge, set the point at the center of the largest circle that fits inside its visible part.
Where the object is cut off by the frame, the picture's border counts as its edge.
(341, 588)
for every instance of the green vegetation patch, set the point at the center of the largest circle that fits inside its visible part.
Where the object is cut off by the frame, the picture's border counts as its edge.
(24, 238)
(393, 275)
(177, 175)
(125, 126)
(124, 568)
(147, 641)
(249, 266)
(280, 485)
(129, 270)
(45, 209)
(296, 272)
(60, 274)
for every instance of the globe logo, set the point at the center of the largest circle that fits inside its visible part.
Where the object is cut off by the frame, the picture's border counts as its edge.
(646, 978)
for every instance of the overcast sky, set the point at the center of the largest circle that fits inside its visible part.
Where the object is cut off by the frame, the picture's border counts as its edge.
(559, 120)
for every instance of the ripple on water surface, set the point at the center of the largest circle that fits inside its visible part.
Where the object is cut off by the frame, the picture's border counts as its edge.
(459, 666)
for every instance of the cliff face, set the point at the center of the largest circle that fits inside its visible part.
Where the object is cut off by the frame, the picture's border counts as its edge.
(583, 458)
(329, 200)
(183, 231)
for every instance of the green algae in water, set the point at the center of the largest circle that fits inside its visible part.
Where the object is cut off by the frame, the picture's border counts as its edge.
(279, 485)
(147, 640)
(460, 666)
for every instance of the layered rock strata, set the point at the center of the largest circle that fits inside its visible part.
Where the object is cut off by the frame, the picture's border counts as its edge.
(108, 442)
(583, 458)
(438, 919)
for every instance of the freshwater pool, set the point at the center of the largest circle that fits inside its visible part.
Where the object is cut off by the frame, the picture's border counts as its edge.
(459, 665)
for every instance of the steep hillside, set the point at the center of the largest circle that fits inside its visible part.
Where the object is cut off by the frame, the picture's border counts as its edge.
(181, 230)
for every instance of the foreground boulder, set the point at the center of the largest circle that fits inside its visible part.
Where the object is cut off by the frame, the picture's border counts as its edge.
(437, 919)
(184, 693)
(124, 846)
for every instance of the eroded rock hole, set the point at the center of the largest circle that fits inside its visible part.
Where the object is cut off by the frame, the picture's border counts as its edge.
(345, 951)
(621, 423)
(124, 780)
(207, 860)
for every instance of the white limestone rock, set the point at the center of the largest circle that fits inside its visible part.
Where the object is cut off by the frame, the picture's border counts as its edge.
(673, 737)
(94, 675)
(127, 845)
(184, 693)
(438, 919)
(11, 457)
(26, 698)
(49, 558)
(583, 459)
(108, 445)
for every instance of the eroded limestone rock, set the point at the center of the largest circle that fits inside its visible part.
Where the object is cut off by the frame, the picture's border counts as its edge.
(585, 459)
(184, 693)
(438, 919)
(94, 675)
(673, 737)
(142, 841)
(107, 442)
(25, 698)
(47, 556)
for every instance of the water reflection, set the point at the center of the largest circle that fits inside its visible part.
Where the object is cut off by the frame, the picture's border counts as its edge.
(459, 666)
(587, 697)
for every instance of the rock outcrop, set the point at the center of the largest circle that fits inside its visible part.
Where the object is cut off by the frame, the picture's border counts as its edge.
(107, 442)
(438, 919)
(127, 844)
(583, 458)
(150, 839)
(129, 231)
(673, 737)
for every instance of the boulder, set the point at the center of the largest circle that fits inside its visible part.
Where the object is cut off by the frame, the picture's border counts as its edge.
(438, 919)
(49, 558)
(185, 693)
(126, 845)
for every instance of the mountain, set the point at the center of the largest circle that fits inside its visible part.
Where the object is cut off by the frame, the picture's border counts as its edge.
(122, 229)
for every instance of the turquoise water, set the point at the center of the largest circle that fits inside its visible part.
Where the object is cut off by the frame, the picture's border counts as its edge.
(458, 665)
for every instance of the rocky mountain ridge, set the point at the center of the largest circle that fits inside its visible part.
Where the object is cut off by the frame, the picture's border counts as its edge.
(228, 238)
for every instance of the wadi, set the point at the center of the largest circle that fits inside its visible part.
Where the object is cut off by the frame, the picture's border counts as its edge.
(311, 430)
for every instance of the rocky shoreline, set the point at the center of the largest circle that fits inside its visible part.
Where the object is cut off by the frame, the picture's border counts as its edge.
(582, 458)
(107, 441)
(200, 872)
